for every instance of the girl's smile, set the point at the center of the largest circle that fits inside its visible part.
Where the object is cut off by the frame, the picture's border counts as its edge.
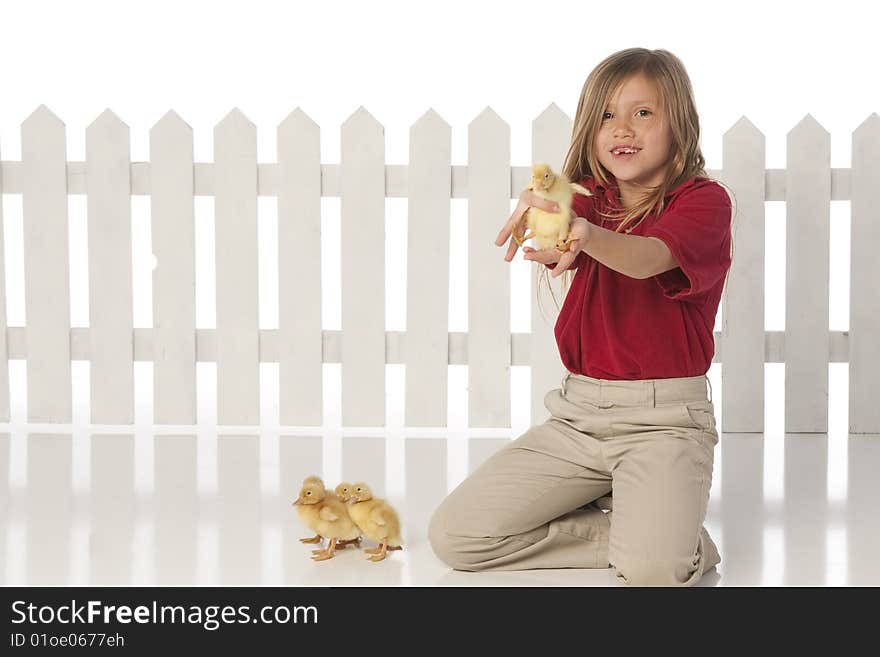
(634, 120)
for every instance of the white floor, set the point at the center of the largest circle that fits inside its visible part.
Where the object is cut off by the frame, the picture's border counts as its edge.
(149, 505)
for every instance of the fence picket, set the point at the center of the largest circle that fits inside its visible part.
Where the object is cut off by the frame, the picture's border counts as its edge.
(427, 277)
(807, 236)
(172, 215)
(300, 347)
(4, 350)
(111, 322)
(46, 270)
(488, 345)
(742, 329)
(864, 312)
(235, 211)
(363, 270)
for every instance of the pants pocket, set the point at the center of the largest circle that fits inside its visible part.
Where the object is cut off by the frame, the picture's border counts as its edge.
(700, 415)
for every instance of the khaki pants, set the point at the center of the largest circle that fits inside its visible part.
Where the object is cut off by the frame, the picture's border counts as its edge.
(535, 503)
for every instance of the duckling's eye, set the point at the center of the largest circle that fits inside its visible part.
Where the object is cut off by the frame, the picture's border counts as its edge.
(309, 493)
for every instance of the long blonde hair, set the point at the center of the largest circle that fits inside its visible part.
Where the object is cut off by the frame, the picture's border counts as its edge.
(676, 99)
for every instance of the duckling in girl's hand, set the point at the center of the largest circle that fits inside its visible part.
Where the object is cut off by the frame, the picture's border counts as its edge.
(330, 516)
(377, 520)
(551, 229)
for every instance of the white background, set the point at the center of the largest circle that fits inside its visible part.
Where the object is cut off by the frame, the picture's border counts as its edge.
(772, 62)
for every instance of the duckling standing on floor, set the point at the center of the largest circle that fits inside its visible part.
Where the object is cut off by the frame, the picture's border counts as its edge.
(330, 515)
(376, 519)
(307, 512)
(343, 492)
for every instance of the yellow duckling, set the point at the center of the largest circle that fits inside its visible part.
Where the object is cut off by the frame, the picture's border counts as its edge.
(330, 516)
(308, 514)
(343, 492)
(551, 229)
(377, 520)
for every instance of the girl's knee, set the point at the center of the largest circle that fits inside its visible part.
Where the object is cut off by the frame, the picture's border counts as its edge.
(448, 547)
(656, 572)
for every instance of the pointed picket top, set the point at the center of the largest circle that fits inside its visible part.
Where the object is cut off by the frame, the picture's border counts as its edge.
(807, 127)
(430, 120)
(866, 145)
(551, 114)
(361, 119)
(234, 121)
(171, 124)
(43, 132)
(743, 129)
(487, 117)
(107, 123)
(42, 117)
(297, 120)
(868, 128)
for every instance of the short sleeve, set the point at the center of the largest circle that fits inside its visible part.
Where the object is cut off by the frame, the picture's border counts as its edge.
(696, 228)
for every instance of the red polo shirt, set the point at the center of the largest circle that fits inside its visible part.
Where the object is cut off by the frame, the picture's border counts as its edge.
(612, 326)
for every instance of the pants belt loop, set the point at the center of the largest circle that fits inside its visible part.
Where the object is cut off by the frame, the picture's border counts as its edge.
(564, 379)
(652, 393)
(710, 387)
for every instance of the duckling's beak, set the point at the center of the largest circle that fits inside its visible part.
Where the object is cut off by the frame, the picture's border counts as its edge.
(295, 502)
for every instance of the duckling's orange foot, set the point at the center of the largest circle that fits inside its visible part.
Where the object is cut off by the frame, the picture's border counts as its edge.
(394, 547)
(379, 555)
(323, 556)
(564, 246)
(373, 551)
(355, 541)
(313, 539)
(523, 238)
(318, 551)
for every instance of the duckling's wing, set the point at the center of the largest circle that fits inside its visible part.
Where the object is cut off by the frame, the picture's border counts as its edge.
(327, 514)
(580, 189)
(377, 516)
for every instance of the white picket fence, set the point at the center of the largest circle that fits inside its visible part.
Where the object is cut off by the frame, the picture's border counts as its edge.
(363, 181)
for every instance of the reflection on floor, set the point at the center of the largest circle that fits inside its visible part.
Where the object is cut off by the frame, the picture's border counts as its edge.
(121, 509)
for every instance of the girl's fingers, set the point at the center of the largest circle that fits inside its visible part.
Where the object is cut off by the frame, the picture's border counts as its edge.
(539, 202)
(511, 250)
(563, 264)
(511, 223)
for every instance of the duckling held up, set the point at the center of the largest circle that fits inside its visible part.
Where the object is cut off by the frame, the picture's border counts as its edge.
(551, 229)
(377, 520)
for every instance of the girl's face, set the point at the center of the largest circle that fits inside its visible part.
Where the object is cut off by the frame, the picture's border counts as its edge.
(634, 118)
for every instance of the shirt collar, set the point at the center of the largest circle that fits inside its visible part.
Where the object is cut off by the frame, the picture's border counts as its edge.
(610, 193)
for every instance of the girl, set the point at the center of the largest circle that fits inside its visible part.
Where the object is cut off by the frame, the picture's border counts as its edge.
(633, 421)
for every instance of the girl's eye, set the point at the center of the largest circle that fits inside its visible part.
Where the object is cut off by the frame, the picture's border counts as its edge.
(641, 110)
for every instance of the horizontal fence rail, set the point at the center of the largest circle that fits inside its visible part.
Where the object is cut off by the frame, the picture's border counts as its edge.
(362, 181)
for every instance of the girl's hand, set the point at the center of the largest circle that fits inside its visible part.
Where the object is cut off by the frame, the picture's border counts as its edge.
(579, 232)
(515, 224)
